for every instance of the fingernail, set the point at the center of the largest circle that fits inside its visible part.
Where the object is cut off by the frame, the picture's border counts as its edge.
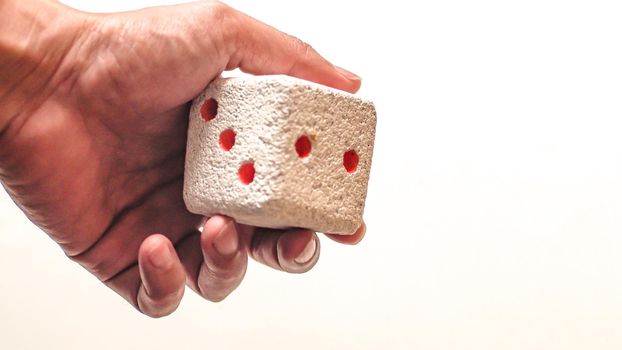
(160, 257)
(226, 243)
(307, 254)
(346, 73)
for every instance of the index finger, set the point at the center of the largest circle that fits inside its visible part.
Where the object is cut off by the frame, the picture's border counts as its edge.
(261, 49)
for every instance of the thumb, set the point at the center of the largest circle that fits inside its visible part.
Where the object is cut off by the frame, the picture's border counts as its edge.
(261, 49)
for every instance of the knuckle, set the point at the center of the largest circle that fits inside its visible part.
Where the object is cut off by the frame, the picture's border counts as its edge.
(300, 46)
(222, 275)
(223, 28)
(158, 307)
(219, 7)
(214, 293)
(216, 284)
(216, 13)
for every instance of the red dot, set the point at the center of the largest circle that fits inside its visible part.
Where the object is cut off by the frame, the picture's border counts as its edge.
(247, 173)
(350, 161)
(303, 146)
(227, 139)
(209, 109)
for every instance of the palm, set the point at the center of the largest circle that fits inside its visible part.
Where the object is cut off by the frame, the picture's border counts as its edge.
(111, 179)
(99, 164)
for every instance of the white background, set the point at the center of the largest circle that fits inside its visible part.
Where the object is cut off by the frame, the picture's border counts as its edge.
(494, 207)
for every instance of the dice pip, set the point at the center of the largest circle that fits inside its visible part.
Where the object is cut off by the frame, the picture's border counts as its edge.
(279, 152)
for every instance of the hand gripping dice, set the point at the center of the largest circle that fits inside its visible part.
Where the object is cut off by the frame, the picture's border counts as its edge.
(279, 152)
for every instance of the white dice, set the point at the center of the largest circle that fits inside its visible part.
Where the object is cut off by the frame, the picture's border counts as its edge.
(279, 152)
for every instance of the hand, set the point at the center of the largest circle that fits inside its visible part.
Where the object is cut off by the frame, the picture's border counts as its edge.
(96, 156)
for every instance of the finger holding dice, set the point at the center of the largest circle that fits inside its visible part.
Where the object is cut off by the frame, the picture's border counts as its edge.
(352, 239)
(293, 251)
(224, 258)
(215, 259)
(262, 49)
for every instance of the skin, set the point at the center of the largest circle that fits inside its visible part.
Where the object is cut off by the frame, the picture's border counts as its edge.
(93, 119)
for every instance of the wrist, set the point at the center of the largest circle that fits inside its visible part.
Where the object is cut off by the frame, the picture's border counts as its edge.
(35, 38)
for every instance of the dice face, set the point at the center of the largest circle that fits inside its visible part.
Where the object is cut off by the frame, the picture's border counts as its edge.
(279, 152)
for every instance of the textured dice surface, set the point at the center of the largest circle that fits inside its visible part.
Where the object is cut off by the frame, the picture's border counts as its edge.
(279, 152)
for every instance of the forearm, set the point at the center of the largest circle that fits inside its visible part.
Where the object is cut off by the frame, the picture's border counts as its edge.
(35, 36)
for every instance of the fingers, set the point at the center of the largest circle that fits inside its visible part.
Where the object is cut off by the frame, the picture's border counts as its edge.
(224, 259)
(352, 239)
(162, 277)
(261, 49)
(294, 251)
(215, 260)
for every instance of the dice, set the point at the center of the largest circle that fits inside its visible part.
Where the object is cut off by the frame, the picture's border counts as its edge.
(279, 152)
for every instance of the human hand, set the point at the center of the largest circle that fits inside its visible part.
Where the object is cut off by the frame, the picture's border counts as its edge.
(93, 133)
